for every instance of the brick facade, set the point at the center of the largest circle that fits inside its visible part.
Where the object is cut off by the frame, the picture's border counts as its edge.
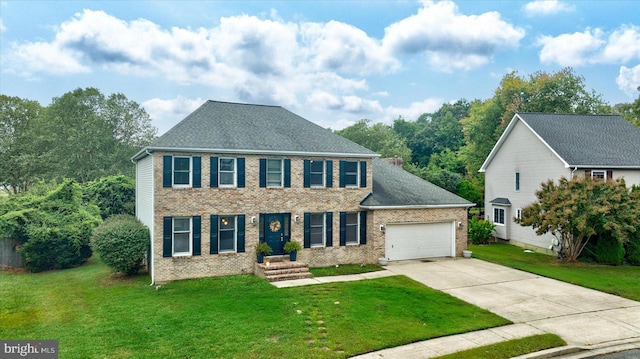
(252, 201)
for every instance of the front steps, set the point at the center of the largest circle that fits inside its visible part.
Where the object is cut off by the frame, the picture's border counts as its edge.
(281, 268)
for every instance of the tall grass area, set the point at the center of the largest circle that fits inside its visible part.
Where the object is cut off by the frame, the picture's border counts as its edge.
(619, 280)
(96, 314)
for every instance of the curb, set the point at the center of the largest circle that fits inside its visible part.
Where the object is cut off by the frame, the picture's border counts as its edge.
(585, 352)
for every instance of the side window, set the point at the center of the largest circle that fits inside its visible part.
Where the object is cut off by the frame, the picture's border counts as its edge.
(227, 172)
(181, 171)
(498, 216)
(517, 180)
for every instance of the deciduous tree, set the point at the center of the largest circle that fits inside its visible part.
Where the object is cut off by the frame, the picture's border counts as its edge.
(576, 210)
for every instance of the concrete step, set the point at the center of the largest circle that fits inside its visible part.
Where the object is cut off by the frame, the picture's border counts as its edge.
(289, 276)
(282, 269)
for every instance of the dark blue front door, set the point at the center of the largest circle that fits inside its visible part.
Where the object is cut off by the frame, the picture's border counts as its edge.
(276, 231)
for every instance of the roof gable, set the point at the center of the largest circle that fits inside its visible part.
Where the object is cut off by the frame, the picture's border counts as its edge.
(604, 141)
(246, 128)
(395, 187)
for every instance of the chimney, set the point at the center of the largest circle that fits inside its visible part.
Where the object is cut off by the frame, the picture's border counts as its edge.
(396, 161)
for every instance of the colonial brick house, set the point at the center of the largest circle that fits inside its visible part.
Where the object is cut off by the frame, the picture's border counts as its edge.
(232, 175)
(536, 147)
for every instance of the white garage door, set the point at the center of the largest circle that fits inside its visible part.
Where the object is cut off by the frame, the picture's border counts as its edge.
(419, 240)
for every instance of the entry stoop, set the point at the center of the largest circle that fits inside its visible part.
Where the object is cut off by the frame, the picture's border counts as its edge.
(281, 268)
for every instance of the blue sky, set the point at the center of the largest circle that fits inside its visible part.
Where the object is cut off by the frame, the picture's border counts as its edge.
(332, 62)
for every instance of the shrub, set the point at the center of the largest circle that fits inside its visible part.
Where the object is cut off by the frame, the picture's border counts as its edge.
(608, 250)
(113, 195)
(632, 250)
(467, 190)
(480, 231)
(121, 241)
(52, 231)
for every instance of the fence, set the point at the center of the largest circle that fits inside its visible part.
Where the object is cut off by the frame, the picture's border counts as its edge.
(9, 257)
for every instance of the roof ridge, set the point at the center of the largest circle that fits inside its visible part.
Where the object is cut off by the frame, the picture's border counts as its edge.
(244, 103)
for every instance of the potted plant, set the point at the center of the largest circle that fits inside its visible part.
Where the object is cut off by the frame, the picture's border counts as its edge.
(262, 249)
(292, 248)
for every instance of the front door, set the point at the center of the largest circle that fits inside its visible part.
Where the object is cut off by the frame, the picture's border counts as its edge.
(276, 231)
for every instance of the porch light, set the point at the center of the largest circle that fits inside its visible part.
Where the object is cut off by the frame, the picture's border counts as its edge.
(296, 218)
(382, 228)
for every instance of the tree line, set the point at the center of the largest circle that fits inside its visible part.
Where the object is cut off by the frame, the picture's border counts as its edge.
(448, 147)
(82, 135)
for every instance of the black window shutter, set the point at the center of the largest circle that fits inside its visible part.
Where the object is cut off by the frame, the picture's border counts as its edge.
(307, 230)
(261, 228)
(213, 172)
(197, 221)
(307, 173)
(329, 229)
(214, 234)
(240, 164)
(587, 173)
(287, 173)
(167, 234)
(342, 170)
(241, 229)
(329, 174)
(263, 172)
(197, 171)
(343, 228)
(167, 171)
(363, 227)
(363, 173)
(609, 175)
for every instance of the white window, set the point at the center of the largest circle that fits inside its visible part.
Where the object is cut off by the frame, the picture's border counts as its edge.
(227, 172)
(517, 180)
(352, 228)
(351, 173)
(498, 216)
(316, 229)
(274, 173)
(182, 171)
(600, 175)
(181, 236)
(227, 234)
(316, 173)
(518, 213)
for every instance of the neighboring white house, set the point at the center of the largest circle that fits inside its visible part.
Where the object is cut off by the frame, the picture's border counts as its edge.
(536, 147)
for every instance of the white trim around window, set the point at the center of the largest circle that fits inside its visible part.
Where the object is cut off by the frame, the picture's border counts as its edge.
(518, 213)
(517, 181)
(352, 228)
(179, 172)
(499, 216)
(227, 234)
(227, 172)
(275, 177)
(317, 230)
(182, 227)
(599, 174)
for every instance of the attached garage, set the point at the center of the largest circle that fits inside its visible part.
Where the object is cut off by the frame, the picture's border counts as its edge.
(419, 240)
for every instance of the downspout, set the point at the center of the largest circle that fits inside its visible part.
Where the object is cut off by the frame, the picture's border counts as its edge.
(574, 170)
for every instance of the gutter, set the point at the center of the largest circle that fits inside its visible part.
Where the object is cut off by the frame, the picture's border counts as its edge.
(420, 206)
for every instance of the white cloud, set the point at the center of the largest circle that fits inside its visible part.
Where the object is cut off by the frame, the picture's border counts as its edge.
(546, 7)
(592, 46)
(449, 39)
(570, 49)
(166, 113)
(628, 80)
(353, 104)
(414, 110)
(2, 27)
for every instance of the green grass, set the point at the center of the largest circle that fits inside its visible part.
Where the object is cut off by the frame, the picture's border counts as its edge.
(511, 348)
(96, 314)
(343, 269)
(618, 280)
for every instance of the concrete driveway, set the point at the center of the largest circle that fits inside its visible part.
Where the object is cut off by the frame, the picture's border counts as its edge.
(581, 316)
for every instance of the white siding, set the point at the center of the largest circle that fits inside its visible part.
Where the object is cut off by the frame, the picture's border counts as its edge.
(521, 152)
(144, 191)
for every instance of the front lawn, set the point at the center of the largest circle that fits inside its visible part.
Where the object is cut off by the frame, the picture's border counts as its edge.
(510, 348)
(343, 269)
(618, 280)
(95, 314)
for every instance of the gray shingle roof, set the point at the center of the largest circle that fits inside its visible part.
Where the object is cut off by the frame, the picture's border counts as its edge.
(395, 187)
(501, 200)
(588, 140)
(254, 128)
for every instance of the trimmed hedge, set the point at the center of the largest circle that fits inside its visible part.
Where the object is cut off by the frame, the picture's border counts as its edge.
(121, 241)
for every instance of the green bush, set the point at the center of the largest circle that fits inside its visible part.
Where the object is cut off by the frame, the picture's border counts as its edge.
(480, 231)
(52, 231)
(632, 250)
(467, 190)
(121, 241)
(609, 251)
(113, 195)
